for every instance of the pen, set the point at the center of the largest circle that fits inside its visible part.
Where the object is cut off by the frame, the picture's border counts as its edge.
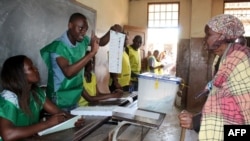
(203, 93)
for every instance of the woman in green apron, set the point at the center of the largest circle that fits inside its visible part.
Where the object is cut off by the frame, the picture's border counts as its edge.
(21, 101)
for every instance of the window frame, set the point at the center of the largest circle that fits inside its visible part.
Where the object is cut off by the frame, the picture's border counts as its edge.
(244, 20)
(160, 19)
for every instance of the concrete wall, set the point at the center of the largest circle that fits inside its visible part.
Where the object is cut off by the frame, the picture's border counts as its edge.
(193, 14)
(109, 12)
(27, 25)
(138, 14)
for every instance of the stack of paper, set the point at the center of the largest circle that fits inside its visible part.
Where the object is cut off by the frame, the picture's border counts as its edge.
(94, 110)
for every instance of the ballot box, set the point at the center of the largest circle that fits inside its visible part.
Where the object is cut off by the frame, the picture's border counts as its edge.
(157, 92)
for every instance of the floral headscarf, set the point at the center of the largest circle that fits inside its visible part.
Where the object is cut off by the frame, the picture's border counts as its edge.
(228, 25)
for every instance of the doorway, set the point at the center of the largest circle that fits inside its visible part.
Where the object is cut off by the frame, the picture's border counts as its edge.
(164, 40)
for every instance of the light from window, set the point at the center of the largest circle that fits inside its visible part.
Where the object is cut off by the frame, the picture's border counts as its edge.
(240, 10)
(163, 32)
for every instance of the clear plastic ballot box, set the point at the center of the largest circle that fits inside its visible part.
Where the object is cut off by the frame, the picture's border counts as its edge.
(157, 92)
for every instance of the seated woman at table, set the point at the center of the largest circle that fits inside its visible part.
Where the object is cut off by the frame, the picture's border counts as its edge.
(90, 93)
(22, 100)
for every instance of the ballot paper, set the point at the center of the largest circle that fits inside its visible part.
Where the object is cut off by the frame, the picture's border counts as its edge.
(116, 46)
(94, 110)
(70, 123)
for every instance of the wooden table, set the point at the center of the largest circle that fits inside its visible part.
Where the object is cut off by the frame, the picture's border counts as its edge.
(73, 134)
(91, 124)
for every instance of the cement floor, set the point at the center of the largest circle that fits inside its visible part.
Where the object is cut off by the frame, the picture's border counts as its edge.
(170, 130)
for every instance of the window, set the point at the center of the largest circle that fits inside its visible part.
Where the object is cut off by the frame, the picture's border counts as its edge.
(163, 15)
(240, 10)
(163, 32)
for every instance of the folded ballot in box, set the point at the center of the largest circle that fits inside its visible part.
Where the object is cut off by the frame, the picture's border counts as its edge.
(157, 92)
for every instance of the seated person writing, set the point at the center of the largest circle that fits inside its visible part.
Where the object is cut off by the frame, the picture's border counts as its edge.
(91, 93)
(22, 100)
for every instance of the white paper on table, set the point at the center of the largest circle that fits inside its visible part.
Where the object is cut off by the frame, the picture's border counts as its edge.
(116, 46)
(94, 110)
(70, 123)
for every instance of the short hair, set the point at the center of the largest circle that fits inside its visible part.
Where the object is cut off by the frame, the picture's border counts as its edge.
(76, 16)
(156, 50)
(137, 37)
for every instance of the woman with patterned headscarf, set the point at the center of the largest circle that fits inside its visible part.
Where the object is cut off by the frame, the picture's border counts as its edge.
(228, 102)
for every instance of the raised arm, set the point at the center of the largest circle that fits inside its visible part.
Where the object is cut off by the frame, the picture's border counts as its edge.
(106, 37)
(70, 70)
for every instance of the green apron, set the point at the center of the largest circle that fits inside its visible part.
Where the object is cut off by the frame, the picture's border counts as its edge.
(70, 89)
(12, 113)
